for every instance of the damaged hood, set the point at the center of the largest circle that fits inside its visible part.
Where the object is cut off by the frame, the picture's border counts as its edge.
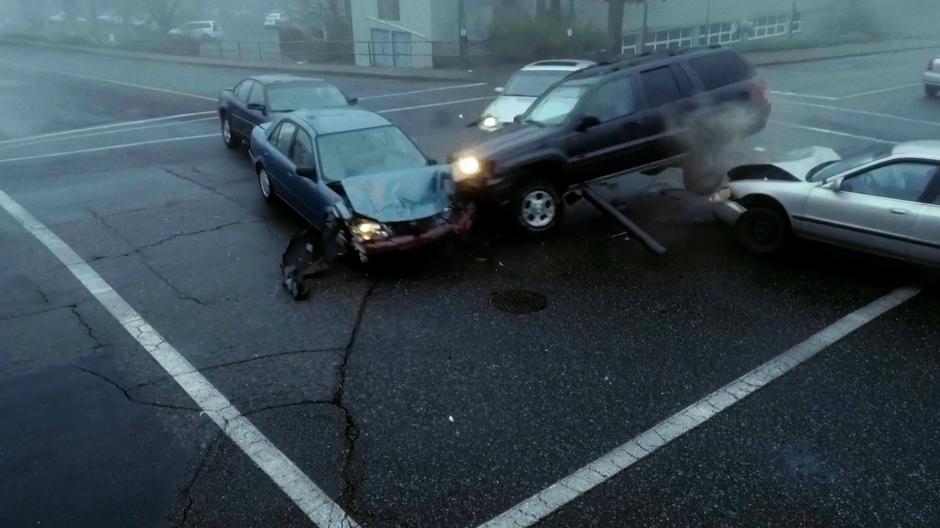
(801, 162)
(401, 196)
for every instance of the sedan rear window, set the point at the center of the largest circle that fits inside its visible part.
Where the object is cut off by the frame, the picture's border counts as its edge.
(720, 69)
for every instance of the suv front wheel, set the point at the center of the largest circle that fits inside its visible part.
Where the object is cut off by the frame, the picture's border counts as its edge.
(538, 207)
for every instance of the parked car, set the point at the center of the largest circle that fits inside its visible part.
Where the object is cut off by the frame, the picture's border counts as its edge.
(354, 166)
(884, 201)
(269, 97)
(636, 115)
(274, 20)
(200, 29)
(144, 22)
(62, 17)
(932, 77)
(111, 17)
(524, 88)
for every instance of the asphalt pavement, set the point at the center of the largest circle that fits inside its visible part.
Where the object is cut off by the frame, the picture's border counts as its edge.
(399, 390)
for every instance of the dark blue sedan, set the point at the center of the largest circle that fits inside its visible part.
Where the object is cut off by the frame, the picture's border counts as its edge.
(357, 167)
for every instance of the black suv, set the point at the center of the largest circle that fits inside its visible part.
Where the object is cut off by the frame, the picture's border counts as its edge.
(637, 115)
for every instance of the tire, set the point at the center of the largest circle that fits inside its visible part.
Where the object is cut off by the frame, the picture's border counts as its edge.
(931, 91)
(703, 174)
(763, 231)
(538, 207)
(266, 187)
(228, 136)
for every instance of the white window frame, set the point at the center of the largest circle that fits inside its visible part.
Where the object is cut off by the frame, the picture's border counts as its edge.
(796, 23)
(769, 27)
(633, 48)
(675, 38)
(719, 34)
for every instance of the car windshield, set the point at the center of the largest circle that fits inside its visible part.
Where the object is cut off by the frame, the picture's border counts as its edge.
(834, 168)
(290, 97)
(555, 106)
(370, 151)
(533, 83)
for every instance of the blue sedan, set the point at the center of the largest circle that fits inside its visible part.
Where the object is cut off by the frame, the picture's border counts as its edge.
(357, 167)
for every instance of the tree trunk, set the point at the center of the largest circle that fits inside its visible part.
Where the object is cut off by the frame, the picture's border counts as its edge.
(615, 27)
(94, 20)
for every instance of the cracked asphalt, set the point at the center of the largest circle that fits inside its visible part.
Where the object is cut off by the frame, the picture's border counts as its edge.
(398, 388)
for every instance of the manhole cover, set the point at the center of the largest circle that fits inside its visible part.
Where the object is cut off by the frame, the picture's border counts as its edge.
(518, 301)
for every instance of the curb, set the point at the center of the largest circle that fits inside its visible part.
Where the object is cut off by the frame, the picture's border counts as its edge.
(350, 71)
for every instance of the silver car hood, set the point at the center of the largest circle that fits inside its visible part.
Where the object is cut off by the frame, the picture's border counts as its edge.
(800, 162)
(506, 107)
(401, 196)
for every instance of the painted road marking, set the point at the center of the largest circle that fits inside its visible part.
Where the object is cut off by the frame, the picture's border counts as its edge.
(546, 502)
(863, 112)
(807, 96)
(105, 127)
(431, 105)
(112, 81)
(428, 90)
(315, 504)
(112, 147)
(883, 90)
(843, 97)
(831, 132)
(119, 131)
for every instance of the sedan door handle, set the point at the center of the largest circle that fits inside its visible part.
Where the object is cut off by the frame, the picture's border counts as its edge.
(899, 211)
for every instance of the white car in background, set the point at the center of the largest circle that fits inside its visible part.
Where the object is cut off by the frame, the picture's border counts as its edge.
(274, 20)
(200, 29)
(525, 87)
(884, 202)
(932, 77)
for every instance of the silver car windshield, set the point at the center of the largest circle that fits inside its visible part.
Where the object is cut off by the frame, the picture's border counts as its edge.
(554, 107)
(533, 83)
(371, 151)
(835, 168)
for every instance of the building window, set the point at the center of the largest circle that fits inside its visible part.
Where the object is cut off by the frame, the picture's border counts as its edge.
(670, 39)
(719, 34)
(631, 45)
(389, 10)
(797, 24)
(770, 26)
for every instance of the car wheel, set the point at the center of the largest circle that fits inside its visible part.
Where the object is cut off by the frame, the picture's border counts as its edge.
(231, 140)
(931, 91)
(265, 186)
(538, 207)
(763, 231)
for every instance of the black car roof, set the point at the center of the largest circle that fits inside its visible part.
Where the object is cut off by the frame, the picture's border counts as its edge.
(645, 60)
(331, 120)
(277, 78)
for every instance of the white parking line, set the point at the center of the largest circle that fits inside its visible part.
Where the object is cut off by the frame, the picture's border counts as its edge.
(432, 105)
(105, 127)
(864, 112)
(46, 141)
(315, 504)
(883, 90)
(427, 90)
(112, 147)
(111, 81)
(544, 503)
(831, 132)
(807, 96)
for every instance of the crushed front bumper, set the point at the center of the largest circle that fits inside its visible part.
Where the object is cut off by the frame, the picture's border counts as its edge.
(729, 212)
(460, 224)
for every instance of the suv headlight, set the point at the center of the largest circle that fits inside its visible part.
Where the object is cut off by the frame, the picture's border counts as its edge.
(467, 167)
(489, 123)
(368, 230)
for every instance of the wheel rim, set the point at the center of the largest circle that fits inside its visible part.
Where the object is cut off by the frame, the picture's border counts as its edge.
(538, 208)
(265, 183)
(763, 232)
(226, 131)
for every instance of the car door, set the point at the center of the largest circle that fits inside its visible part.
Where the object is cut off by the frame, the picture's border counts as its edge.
(613, 143)
(255, 110)
(668, 105)
(313, 202)
(874, 209)
(237, 107)
(925, 247)
(279, 164)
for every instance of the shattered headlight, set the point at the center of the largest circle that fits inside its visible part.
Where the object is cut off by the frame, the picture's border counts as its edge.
(368, 230)
(466, 168)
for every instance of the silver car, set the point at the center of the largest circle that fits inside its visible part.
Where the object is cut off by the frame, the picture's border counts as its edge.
(932, 77)
(885, 202)
(524, 88)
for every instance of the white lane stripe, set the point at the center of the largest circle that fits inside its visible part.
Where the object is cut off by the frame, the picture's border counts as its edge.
(112, 147)
(105, 127)
(831, 132)
(807, 96)
(46, 141)
(546, 502)
(431, 105)
(315, 504)
(111, 81)
(883, 90)
(427, 90)
(864, 113)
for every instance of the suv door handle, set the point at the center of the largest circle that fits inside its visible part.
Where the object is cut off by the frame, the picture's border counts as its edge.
(899, 211)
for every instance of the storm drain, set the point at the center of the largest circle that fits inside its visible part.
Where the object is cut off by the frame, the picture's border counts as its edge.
(518, 301)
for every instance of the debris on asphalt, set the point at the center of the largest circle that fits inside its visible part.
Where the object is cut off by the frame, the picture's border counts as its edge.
(308, 255)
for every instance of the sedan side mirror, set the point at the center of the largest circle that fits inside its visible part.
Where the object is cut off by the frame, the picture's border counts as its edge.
(833, 185)
(307, 172)
(499, 89)
(352, 101)
(587, 123)
(258, 106)
(517, 119)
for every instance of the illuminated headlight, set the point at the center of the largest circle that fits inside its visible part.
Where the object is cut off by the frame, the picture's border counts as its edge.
(490, 122)
(467, 167)
(368, 230)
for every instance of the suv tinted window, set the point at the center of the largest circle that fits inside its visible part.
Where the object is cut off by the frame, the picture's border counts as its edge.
(720, 69)
(612, 100)
(660, 87)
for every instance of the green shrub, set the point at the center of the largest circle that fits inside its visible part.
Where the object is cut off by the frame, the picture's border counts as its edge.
(152, 42)
(523, 39)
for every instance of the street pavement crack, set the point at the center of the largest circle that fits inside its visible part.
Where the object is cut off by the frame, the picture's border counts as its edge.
(191, 233)
(130, 397)
(211, 189)
(81, 320)
(187, 490)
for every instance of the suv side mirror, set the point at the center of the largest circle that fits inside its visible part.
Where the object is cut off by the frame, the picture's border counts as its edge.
(307, 172)
(587, 123)
(258, 106)
(352, 101)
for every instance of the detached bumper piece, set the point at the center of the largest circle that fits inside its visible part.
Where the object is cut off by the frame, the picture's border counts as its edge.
(402, 239)
(651, 244)
(309, 255)
(729, 212)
